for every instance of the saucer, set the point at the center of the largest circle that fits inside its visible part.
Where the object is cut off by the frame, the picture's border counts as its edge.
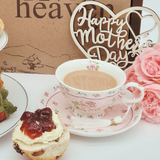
(3, 40)
(53, 98)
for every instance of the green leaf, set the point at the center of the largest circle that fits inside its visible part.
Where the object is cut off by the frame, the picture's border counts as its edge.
(152, 44)
(5, 105)
(11, 110)
(6, 114)
(4, 93)
(1, 109)
(8, 106)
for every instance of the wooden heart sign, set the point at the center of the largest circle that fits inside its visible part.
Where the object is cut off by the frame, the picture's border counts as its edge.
(101, 34)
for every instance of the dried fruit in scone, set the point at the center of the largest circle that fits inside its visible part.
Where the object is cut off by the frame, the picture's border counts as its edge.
(40, 135)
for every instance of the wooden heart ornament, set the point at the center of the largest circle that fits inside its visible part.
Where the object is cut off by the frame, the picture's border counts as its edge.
(101, 34)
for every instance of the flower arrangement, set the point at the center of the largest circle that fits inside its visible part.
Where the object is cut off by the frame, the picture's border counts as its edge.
(146, 71)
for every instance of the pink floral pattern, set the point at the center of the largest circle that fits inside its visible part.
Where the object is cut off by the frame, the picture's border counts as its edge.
(55, 103)
(136, 108)
(96, 95)
(93, 65)
(46, 94)
(99, 130)
(86, 105)
(65, 111)
(69, 117)
(66, 125)
(124, 110)
(91, 117)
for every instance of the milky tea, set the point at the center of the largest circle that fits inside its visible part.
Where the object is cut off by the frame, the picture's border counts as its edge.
(90, 80)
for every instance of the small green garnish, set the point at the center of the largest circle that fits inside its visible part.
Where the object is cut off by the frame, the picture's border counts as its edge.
(5, 105)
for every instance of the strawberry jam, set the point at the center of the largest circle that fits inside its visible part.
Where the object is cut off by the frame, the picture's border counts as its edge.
(34, 124)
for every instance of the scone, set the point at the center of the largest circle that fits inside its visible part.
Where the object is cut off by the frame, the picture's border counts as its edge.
(40, 135)
(1, 26)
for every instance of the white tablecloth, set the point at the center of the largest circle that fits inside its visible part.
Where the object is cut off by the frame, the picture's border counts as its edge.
(142, 142)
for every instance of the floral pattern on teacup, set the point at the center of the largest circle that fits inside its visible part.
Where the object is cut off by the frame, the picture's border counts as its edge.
(82, 94)
(99, 130)
(90, 116)
(96, 95)
(93, 66)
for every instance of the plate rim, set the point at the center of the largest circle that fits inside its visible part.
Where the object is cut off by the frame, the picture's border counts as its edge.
(96, 135)
(10, 128)
(6, 41)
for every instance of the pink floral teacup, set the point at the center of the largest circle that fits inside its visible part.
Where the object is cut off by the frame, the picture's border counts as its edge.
(91, 104)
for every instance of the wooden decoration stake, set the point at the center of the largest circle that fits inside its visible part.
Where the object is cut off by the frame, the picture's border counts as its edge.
(106, 37)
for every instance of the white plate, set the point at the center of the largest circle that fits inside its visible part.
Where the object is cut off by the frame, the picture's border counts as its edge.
(53, 98)
(3, 40)
(18, 97)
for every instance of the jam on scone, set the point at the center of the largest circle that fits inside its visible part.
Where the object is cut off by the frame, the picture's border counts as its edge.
(34, 124)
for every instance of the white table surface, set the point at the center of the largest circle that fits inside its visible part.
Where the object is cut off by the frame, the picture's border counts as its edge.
(142, 142)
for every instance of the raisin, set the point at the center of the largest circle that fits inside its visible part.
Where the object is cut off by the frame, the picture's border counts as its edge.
(18, 150)
(38, 153)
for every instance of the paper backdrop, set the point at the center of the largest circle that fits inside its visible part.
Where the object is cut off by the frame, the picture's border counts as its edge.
(39, 33)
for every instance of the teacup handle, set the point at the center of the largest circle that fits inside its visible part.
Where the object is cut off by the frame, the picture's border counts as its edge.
(133, 84)
(128, 99)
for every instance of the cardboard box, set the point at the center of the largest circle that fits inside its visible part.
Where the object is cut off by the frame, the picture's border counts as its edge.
(39, 33)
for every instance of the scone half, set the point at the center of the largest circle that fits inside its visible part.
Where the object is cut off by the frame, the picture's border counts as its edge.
(41, 151)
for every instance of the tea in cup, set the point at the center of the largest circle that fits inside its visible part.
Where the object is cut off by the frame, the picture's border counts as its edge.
(91, 86)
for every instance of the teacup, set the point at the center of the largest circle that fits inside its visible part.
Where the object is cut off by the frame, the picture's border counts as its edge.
(92, 104)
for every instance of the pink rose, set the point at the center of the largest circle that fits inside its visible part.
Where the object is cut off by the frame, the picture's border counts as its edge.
(146, 71)
(130, 74)
(151, 103)
(147, 65)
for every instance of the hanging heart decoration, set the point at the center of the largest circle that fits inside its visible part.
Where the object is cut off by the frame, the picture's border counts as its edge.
(101, 34)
